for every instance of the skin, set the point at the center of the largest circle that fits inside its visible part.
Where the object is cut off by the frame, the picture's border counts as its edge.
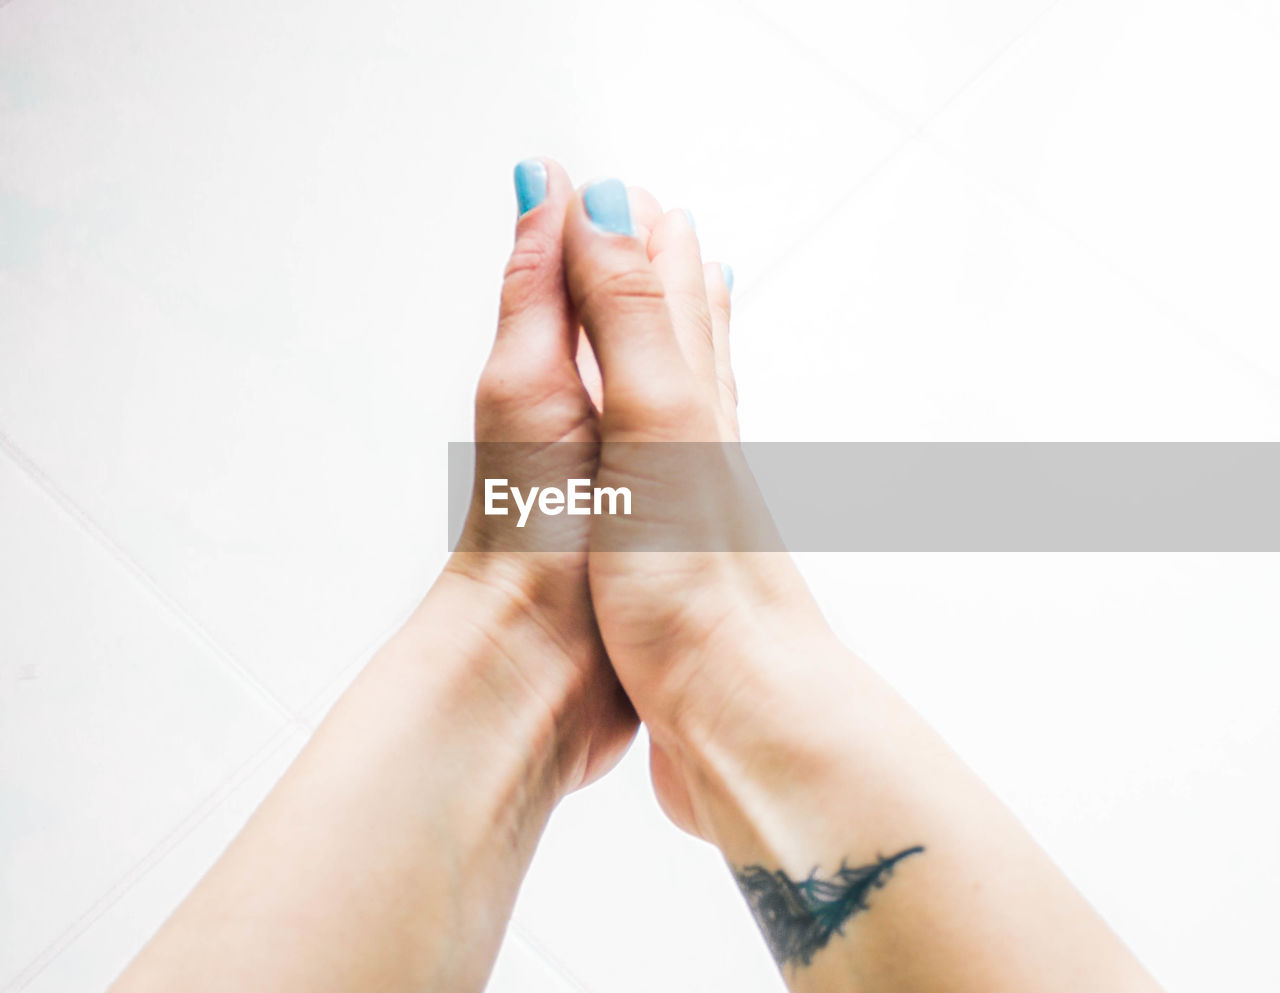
(389, 855)
(770, 739)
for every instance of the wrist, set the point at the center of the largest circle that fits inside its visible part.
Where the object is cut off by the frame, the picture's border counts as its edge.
(769, 736)
(489, 656)
(754, 637)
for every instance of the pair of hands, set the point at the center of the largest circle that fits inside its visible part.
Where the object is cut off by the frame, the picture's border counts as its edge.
(614, 335)
(391, 852)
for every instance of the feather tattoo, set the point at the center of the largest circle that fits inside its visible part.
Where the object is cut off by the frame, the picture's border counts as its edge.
(799, 917)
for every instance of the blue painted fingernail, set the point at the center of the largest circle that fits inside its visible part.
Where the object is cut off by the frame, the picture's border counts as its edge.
(607, 206)
(726, 270)
(531, 184)
(692, 223)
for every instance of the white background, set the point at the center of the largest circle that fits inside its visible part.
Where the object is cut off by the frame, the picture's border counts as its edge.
(249, 254)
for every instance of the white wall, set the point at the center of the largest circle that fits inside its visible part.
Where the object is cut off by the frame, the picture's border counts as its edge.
(248, 260)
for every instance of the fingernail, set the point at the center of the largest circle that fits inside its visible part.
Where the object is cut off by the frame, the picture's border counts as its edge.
(692, 223)
(726, 270)
(531, 184)
(607, 206)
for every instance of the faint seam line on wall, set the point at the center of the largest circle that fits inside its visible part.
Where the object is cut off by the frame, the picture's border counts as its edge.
(1192, 328)
(294, 723)
(163, 847)
(552, 961)
(802, 48)
(917, 129)
(194, 628)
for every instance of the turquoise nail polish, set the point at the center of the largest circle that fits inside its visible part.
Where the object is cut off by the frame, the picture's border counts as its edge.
(607, 206)
(531, 184)
(692, 223)
(726, 270)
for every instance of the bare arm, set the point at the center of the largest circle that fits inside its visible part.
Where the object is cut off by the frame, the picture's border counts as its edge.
(389, 855)
(873, 859)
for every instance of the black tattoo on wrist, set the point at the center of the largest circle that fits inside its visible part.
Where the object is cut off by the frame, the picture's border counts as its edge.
(799, 918)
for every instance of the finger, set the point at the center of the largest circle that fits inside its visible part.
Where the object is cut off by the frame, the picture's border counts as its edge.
(622, 305)
(718, 281)
(535, 315)
(529, 389)
(677, 258)
(645, 211)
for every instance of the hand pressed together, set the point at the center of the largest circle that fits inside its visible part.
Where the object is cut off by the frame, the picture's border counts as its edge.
(643, 397)
(389, 856)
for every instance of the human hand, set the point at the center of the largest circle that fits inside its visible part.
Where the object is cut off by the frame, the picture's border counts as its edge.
(536, 387)
(682, 625)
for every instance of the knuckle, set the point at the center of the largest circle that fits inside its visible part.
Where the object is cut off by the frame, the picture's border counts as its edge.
(534, 252)
(517, 390)
(693, 312)
(642, 403)
(524, 281)
(673, 411)
(499, 388)
(632, 290)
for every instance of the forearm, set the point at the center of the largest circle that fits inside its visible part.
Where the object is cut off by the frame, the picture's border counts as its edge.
(813, 765)
(389, 856)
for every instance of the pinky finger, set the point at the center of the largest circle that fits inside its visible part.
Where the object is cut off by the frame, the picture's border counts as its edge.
(718, 278)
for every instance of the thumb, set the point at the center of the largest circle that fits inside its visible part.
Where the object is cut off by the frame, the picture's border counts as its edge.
(535, 317)
(621, 301)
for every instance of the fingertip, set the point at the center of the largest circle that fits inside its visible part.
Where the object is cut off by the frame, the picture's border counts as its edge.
(530, 176)
(608, 207)
(559, 186)
(539, 181)
(601, 232)
(645, 211)
(533, 302)
(719, 282)
(619, 299)
(675, 232)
